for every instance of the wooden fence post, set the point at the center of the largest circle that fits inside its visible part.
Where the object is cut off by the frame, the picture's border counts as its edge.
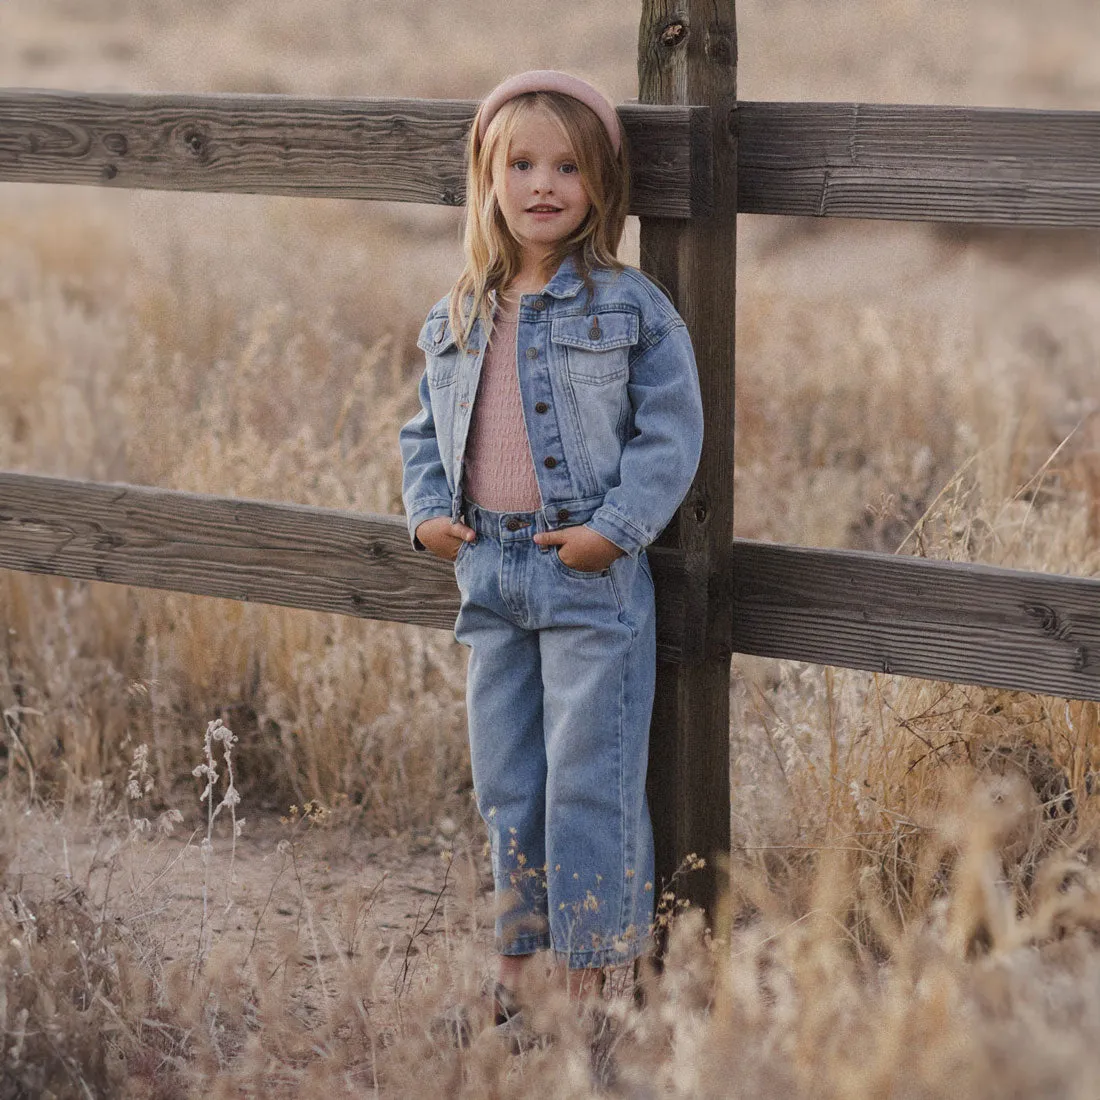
(687, 54)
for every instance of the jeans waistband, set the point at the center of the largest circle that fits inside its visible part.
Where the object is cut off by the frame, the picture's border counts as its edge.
(518, 525)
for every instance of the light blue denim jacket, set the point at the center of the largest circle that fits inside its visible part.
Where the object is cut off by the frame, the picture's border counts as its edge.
(610, 397)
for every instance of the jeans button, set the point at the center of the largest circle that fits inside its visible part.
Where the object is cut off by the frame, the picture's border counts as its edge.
(513, 524)
(563, 514)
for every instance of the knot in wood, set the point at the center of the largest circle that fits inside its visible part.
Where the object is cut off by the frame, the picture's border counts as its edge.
(1046, 618)
(116, 143)
(450, 197)
(109, 171)
(673, 34)
(195, 142)
(1081, 658)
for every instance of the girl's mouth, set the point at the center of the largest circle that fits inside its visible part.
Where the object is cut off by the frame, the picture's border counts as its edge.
(544, 210)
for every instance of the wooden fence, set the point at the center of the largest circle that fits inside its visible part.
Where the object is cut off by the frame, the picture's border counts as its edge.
(699, 157)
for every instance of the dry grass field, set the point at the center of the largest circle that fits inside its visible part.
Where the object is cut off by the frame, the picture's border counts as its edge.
(915, 908)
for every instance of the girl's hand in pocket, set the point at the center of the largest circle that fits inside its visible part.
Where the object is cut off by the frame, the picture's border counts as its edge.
(581, 548)
(443, 538)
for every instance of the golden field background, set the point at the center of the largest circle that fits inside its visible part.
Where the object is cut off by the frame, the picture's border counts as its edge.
(908, 918)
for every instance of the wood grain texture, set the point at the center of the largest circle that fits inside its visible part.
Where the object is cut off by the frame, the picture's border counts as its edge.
(939, 620)
(856, 160)
(915, 163)
(687, 53)
(287, 554)
(405, 150)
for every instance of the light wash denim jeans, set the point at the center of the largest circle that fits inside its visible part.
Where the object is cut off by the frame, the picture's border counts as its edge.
(560, 695)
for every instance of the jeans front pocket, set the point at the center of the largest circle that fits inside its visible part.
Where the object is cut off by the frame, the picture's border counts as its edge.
(576, 574)
(461, 552)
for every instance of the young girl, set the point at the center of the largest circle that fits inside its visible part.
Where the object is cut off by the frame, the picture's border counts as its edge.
(560, 428)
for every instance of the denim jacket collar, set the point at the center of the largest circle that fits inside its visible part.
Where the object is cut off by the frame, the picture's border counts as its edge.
(565, 282)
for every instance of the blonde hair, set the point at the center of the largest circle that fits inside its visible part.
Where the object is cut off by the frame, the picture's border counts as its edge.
(492, 254)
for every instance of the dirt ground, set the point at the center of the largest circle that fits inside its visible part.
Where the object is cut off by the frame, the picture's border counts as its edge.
(293, 893)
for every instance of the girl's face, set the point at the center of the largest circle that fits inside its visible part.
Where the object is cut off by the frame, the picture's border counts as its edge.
(540, 192)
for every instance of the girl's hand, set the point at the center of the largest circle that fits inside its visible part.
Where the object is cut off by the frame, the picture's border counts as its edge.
(582, 549)
(443, 538)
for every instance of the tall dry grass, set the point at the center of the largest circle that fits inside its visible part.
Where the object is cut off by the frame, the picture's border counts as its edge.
(913, 909)
(931, 932)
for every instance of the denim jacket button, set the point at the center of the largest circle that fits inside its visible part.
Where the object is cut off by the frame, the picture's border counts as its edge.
(594, 332)
(532, 353)
(563, 514)
(541, 407)
(539, 304)
(550, 462)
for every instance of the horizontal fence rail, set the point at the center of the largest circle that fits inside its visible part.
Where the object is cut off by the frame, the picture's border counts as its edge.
(910, 163)
(857, 160)
(404, 150)
(940, 620)
(910, 616)
(292, 555)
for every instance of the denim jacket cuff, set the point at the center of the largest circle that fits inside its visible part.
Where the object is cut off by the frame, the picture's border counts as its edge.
(619, 530)
(429, 510)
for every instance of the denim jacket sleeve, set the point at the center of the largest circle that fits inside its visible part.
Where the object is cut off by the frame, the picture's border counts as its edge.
(660, 460)
(424, 488)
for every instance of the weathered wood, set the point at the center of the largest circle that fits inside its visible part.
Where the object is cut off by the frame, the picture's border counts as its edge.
(948, 164)
(855, 160)
(940, 620)
(687, 53)
(296, 556)
(405, 150)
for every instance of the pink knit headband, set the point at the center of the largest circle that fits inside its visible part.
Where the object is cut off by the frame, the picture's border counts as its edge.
(550, 80)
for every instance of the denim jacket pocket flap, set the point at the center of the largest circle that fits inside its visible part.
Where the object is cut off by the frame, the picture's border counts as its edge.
(436, 336)
(438, 343)
(596, 332)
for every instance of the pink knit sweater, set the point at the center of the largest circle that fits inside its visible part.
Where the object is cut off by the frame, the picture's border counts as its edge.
(500, 474)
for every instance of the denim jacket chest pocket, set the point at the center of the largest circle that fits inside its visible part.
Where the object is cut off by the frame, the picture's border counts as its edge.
(443, 368)
(596, 347)
(441, 353)
(593, 354)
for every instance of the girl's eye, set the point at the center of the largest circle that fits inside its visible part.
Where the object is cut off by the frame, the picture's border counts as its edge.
(521, 164)
(569, 169)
